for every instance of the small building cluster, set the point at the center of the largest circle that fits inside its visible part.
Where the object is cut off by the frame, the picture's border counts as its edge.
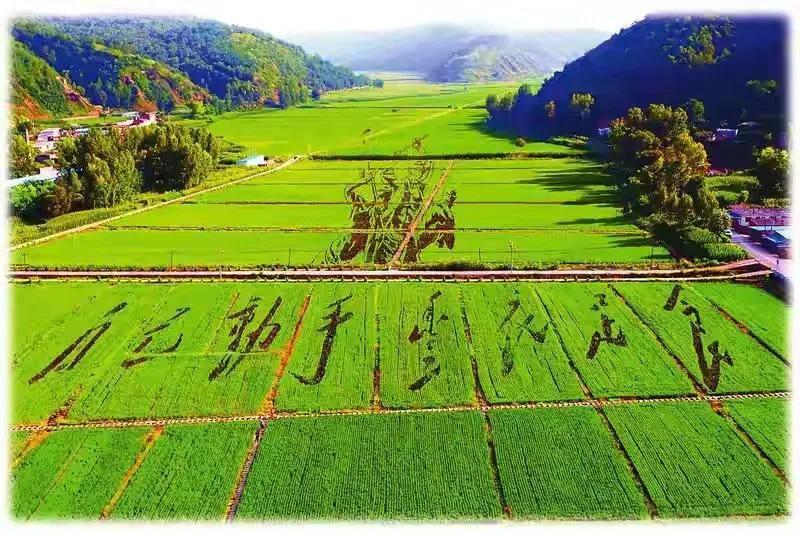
(135, 119)
(768, 226)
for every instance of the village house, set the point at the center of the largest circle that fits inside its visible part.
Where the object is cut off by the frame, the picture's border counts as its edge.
(46, 140)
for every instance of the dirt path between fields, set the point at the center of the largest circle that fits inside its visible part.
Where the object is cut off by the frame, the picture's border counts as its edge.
(187, 420)
(149, 441)
(268, 406)
(102, 222)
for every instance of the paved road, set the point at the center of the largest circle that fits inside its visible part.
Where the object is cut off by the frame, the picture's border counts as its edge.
(756, 251)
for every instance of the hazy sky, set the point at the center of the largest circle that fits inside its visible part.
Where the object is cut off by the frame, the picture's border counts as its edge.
(289, 17)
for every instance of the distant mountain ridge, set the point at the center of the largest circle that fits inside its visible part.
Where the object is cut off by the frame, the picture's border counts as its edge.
(452, 53)
(158, 62)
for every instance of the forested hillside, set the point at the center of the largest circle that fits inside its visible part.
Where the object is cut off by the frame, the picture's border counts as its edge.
(735, 66)
(37, 90)
(157, 63)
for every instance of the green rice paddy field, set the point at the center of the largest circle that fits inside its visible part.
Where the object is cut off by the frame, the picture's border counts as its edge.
(146, 400)
(378, 121)
(524, 212)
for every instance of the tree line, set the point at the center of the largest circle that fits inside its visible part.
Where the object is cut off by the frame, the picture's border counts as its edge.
(104, 169)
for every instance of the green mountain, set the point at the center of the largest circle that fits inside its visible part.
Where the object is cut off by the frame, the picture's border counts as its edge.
(38, 91)
(449, 53)
(736, 66)
(145, 61)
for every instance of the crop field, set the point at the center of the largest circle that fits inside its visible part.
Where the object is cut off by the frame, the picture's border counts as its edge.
(563, 463)
(418, 94)
(531, 212)
(371, 467)
(378, 121)
(766, 421)
(760, 312)
(718, 355)
(188, 474)
(130, 407)
(147, 350)
(694, 464)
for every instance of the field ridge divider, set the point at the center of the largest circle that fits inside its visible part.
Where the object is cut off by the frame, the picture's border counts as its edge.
(376, 370)
(189, 420)
(720, 409)
(141, 456)
(244, 472)
(483, 405)
(102, 222)
(743, 327)
(268, 405)
(418, 218)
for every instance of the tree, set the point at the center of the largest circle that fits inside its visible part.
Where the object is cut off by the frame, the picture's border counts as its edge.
(696, 112)
(176, 158)
(772, 171)
(492, 105)
(550, 109)
(197, 109)
(582, 102)
(22, 158)
(104, 165)
(663, 168)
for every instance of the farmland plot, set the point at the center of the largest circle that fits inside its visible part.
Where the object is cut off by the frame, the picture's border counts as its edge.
(766, 421)
(189, 474)
(74, 473)
(372, 467)
(332, 363)
(163, 249)
(516, 349)
(53, 370)
(222, 216)
(718, 355)
(694, 464)
(424, 358)
(761, 312)
(210, 349)
(547, 247)
(562, 463)
(612, 350)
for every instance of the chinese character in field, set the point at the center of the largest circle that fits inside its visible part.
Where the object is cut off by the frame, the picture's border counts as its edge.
(429, 321)
(335, 319)
(605, 334)
(516, 325)
(243, 319)
(78, 348)
(710, 372)
(149, 335)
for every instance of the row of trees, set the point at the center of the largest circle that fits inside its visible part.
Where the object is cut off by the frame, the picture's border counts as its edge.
(101, 170)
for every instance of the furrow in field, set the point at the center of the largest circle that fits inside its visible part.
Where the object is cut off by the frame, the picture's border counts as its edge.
(149, 442)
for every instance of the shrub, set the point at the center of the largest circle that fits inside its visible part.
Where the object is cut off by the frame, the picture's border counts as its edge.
(519, 141)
